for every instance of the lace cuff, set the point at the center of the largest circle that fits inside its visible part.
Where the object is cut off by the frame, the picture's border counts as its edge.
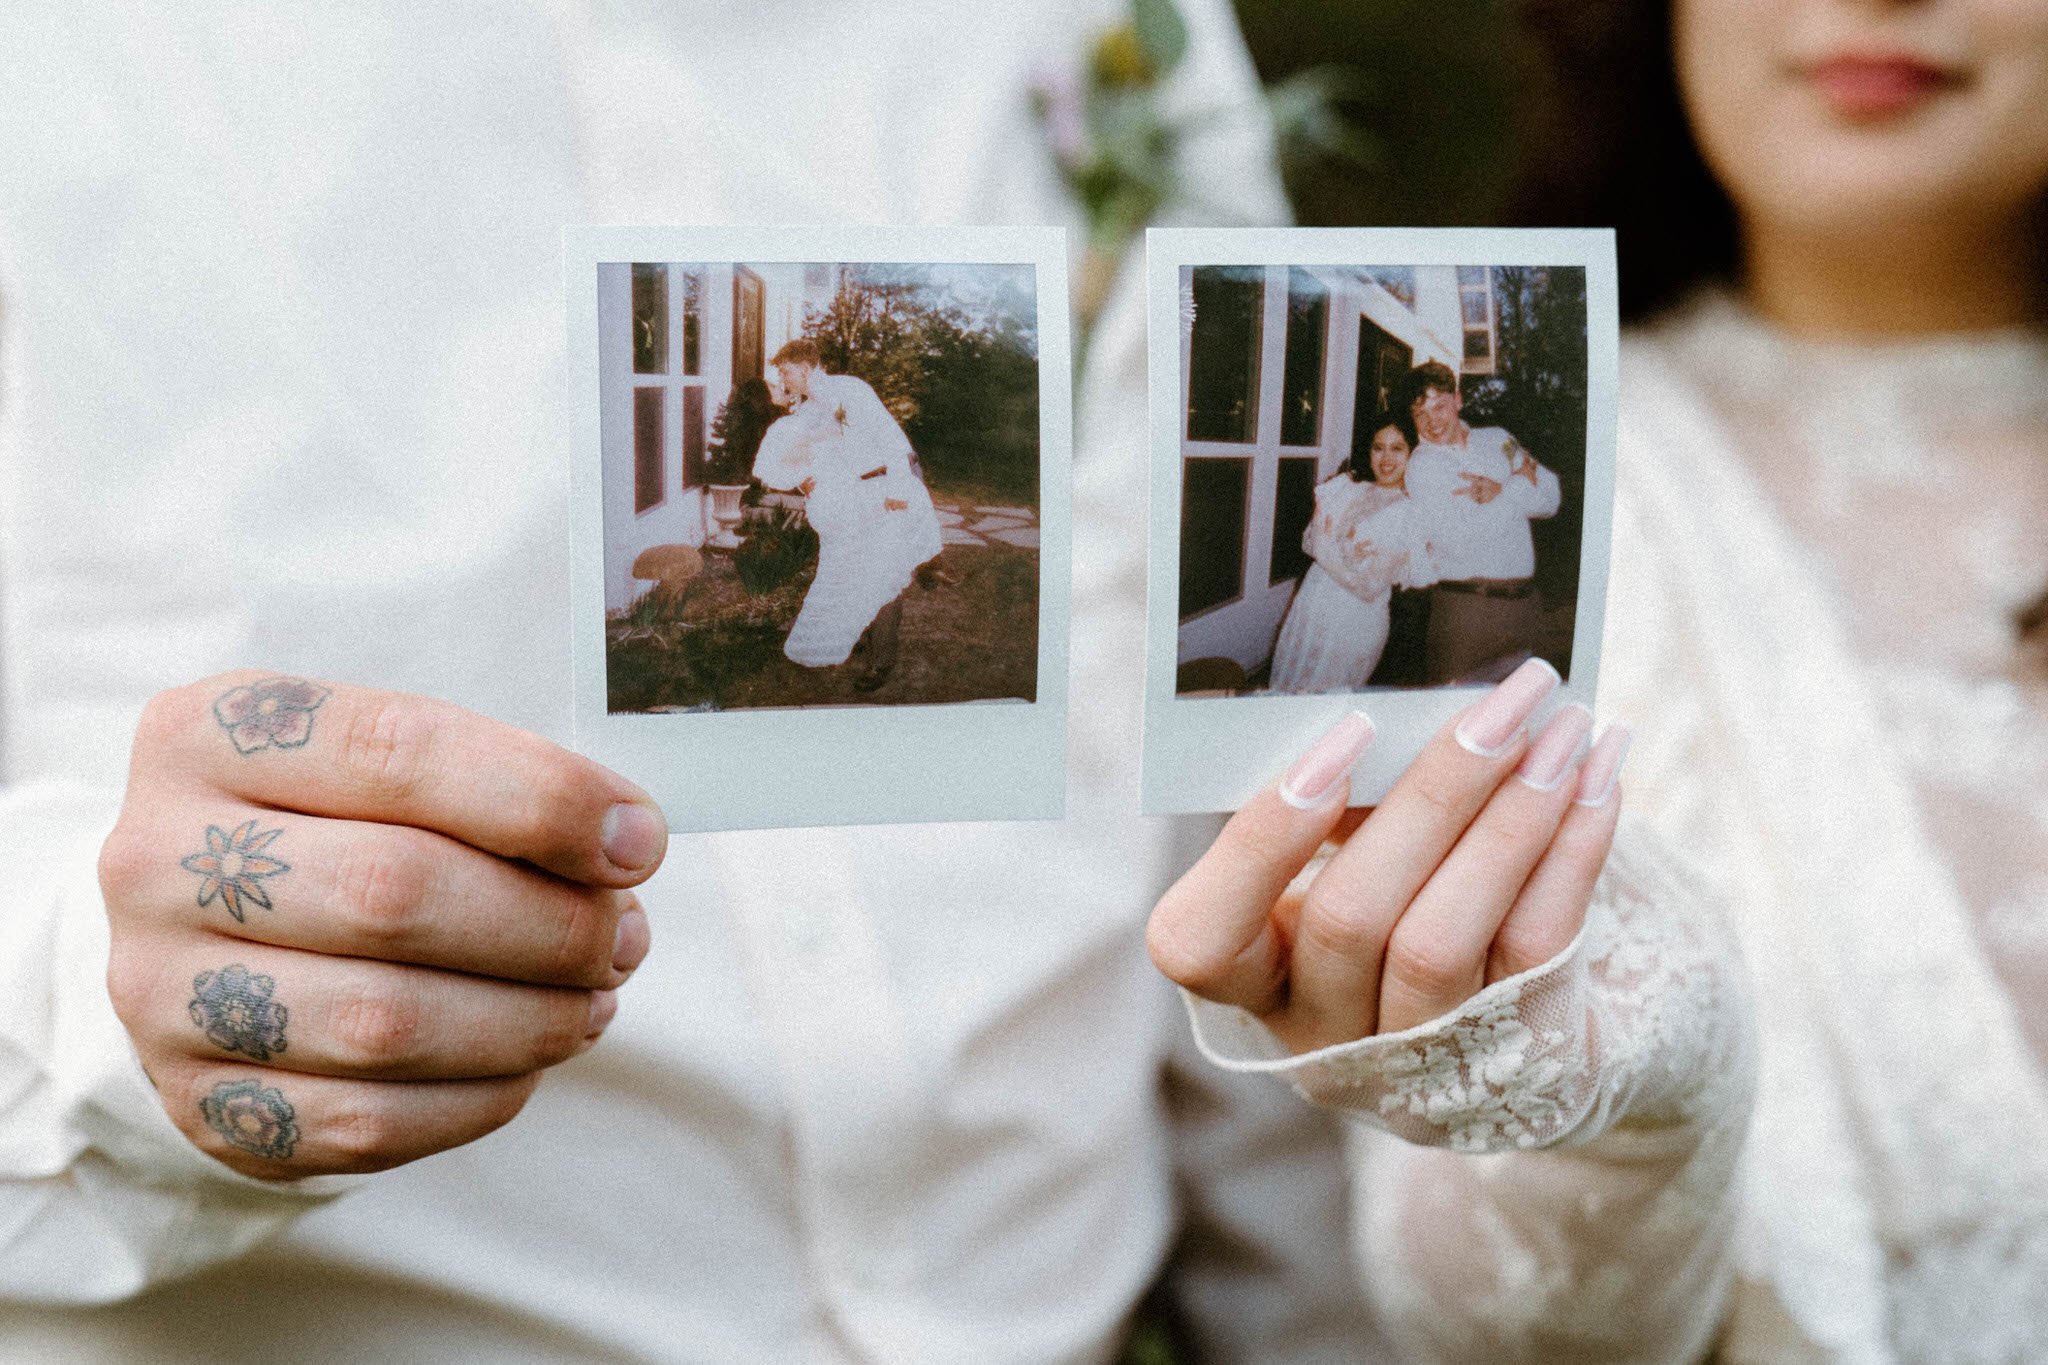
(1640, 1023)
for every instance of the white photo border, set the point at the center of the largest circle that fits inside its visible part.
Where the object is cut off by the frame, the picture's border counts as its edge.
(829, 765)
(1214, 753)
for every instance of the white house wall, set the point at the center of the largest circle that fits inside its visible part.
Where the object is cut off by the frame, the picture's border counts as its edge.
(679, 518)
(1437, 310)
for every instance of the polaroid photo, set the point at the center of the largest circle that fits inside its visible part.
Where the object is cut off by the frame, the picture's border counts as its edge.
(1382, 478)
(821, 520)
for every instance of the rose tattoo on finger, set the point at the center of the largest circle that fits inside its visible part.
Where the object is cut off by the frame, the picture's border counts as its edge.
(252, 1116)
(275, 713)
(233, 1007)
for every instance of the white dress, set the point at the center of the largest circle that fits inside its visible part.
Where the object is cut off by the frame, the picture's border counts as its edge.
(863, 564)
(1819, 553)
(868, 551)
(1366, 541)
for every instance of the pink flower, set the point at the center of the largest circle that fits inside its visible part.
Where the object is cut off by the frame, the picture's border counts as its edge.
(275, 712)
(1062, 105)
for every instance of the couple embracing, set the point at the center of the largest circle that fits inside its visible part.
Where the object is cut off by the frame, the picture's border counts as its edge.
(1436, 504)
(866, 499)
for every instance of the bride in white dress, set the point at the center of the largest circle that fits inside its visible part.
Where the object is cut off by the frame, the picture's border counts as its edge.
(862, 564)
(1366, 541)
(1831, 520)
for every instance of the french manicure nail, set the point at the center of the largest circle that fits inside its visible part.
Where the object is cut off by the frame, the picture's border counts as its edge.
(603, 1005)
(1489, 729)
(631, 941)
(1603, 766)
(634, 835)
(1549, 760)
(1317, 771)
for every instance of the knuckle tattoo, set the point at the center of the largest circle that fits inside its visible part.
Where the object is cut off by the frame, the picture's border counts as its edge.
(234, 1008)
(275, 713)
(253, 1117)
(233, 866)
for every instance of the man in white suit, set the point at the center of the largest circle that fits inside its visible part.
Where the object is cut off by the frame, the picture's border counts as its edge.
(1479, 488)
(846, 421)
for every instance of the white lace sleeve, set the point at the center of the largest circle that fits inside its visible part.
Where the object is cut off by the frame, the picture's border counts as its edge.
(1547, 1173)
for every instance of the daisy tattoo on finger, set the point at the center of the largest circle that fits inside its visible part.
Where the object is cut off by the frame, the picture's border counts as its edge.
(234, 1009)
(232, 867)
(252, 1116)
(276, 713)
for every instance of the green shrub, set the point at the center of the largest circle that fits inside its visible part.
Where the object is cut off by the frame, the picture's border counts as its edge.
(775, 551)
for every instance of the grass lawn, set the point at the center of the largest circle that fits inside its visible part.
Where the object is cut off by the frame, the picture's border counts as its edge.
(720, 648)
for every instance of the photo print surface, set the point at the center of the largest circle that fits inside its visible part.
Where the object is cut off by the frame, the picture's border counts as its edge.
(1380, 469)
(821, 483)
(819, 477)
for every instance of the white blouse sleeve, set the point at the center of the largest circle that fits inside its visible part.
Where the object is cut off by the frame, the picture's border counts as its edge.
(1548, 1171)
(1368, 555)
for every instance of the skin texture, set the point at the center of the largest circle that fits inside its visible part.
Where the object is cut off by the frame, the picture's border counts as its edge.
(1479, 864)
(350, 928)
(1924, 217)
(1390, 454)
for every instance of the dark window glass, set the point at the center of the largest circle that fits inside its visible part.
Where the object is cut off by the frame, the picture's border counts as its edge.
(1308, 326)
(693, 322)
(1213, 497)
(1469, 275)
(1475, 307)
(1223, 359)
(1479, 344)
(747, 341)
(1293, 504)
(694, 472)
(650, 319)
(647, 445)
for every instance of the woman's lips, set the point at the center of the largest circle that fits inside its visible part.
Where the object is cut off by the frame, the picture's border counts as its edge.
(1868, 87)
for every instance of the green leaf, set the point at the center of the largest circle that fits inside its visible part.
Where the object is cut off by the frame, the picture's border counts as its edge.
(1162, 31)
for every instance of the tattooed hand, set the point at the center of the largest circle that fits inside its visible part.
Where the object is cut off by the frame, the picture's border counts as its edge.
(350, 928)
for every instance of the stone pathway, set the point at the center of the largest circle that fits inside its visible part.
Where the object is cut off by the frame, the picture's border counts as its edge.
(1010, 525)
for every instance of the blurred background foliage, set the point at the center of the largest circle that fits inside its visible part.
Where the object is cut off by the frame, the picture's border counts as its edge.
(1429, 108)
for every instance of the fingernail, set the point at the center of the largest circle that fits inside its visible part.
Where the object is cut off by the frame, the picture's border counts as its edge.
(1317, 771)
(603, 1005)
(1490, 727)
(1549, 760)
(1603, 766)
(631, 941)
(634, 836)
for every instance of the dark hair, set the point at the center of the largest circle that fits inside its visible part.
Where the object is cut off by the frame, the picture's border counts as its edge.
(1430, 374)
(1359, 466)
(1616, 150)
(801, 351)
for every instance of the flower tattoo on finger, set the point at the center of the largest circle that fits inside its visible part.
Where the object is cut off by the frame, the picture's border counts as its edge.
(276, 713)
(233, 1007)
(232, 867)
(252, 1116)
